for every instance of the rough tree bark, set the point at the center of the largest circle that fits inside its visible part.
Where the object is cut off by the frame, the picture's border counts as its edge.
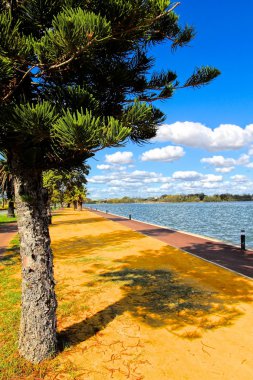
(37, 339)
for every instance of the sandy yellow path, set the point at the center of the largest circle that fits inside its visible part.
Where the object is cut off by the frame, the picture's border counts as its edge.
(131, 307)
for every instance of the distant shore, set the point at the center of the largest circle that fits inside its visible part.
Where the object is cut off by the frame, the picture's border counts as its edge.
(180, 198)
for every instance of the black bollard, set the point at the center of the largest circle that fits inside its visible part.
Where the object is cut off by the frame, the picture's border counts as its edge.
(243, 248)
(130, 216)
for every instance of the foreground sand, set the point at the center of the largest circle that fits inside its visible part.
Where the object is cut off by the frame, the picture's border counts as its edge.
(131, 307)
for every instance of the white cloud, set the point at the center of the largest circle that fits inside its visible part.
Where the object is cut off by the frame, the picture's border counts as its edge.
(227, 164)
(225, 170)
(210, 185)
(195, 176)
(243, 159)
(224, 137)
(197, 186)
(239, 178)
(166, 186)
(187, 175)
(212, 178)
(98, 179)
(119, 158)
(104, 167)
(153, 190)
(167, 154)
(123, 177)
(219, 161)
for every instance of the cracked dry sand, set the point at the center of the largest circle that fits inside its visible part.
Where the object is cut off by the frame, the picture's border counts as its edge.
(132, 307)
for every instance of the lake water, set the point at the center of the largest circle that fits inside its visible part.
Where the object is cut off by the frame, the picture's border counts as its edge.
(222, 221)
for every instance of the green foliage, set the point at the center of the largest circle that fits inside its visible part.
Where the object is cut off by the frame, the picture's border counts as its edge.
(66, 185)
(84, 132)
(201, 76)
(9, 308)
(6, 69)
(75, 98)
(12, 43)
(36, 15)
(72, 32)
(34, 121)
(143, 120)
(76, 76)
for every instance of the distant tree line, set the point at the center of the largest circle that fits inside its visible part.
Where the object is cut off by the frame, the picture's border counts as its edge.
(198, 197)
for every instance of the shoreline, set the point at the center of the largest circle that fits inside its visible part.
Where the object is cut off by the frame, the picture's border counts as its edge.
(173, 229)
(226, 256)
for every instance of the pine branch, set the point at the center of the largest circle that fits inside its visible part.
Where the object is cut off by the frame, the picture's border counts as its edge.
(153, 20)
(199, 78)
(18, 85)
(59, 65)
(114, 37)
(74, 56)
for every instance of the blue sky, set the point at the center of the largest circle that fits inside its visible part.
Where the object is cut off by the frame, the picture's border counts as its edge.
(206, 142)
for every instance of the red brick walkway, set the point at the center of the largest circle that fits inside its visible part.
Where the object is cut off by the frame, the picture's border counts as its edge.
(7, 232)
(226, 255)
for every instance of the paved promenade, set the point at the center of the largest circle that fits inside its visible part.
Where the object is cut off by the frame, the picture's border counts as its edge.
(226, 255)
(7, 232)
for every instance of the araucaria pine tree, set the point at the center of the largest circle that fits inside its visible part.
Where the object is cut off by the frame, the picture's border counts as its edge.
(75, 77)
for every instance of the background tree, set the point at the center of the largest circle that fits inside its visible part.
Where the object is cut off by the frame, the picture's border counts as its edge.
(75, 191)
(7, 186)
(66, 186)
(53, 181)
(75, 77)
(76, 196)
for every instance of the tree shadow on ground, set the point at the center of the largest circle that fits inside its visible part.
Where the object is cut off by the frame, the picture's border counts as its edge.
(8, 227)
(156, 232)
(76, 221)
(77, 247)
(230, 257)
(159, 299)
(9, 256)
(231, 287)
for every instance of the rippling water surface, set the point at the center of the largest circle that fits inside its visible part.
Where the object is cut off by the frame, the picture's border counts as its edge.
(222, 221)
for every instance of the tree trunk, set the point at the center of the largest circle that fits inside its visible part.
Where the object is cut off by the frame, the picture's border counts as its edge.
(80, 205)
(10, 197)
(68, 205)
(47, 200)
(75, 205)
(37, 339)
(10, 211)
